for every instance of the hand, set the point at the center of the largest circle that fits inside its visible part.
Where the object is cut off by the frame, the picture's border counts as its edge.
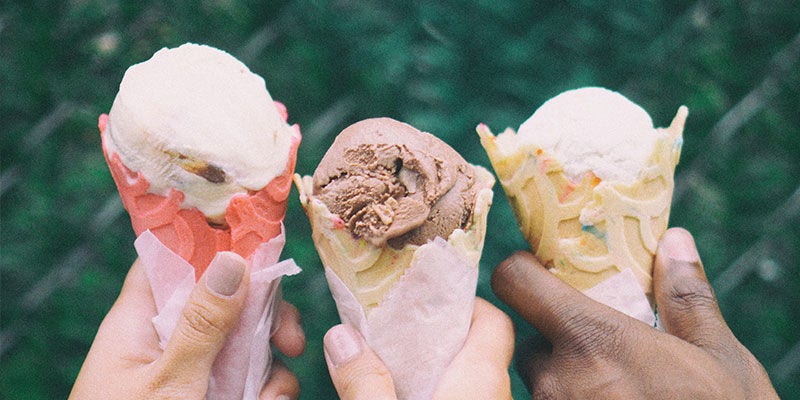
(125, 360)
(479, 371)
(597, 352)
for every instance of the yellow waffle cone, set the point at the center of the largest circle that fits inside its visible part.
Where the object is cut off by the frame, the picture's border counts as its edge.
(370, 272)
(586, 232)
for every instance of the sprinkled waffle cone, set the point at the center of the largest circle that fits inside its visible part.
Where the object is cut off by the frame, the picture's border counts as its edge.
(586, 232)
(407, 302)
(369, 271)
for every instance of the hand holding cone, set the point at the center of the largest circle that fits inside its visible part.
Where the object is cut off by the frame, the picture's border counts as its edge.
(203, 158)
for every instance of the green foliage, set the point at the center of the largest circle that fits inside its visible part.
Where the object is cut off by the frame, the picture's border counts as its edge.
(441, 66)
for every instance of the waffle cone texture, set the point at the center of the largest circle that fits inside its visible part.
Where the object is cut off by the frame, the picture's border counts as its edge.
(370, 271)
(586, 232)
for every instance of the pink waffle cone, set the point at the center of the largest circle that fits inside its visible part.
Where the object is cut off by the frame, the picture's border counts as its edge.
(176, 245)
(252, 219)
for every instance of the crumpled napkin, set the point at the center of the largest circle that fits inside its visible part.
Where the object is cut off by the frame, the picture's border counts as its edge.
(623, 293)
(423, 322)
(243, 365)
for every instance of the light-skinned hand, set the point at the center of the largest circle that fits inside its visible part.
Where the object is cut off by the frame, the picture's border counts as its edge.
(125, 360)
(593, 351)
(479, 371)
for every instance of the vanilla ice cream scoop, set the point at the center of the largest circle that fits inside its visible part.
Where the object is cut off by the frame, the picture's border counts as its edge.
(590, 181)
(195, 119)
(594, 130)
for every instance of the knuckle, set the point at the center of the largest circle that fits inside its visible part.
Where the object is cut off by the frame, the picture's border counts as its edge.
(499, 278)
(281, 379)
(361, 378)
(164, 383)
(533, 352)
(201, 323)
(546, 386)
(591, 337)
(290, 312)
(691, 295)
(289, 320)
(744, 364)
(508, 273)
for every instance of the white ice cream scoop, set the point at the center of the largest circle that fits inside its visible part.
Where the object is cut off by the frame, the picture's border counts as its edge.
(593, 129)
(195, 119)
(590, 181)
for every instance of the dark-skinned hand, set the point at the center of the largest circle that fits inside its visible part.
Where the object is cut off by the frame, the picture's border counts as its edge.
(588, 350)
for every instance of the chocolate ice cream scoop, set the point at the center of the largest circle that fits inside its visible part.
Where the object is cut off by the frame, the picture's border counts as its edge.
(391, 183)
(399, 220)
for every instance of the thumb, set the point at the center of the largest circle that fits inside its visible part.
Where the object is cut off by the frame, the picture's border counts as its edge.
(357, 372)
(210, 314)
(686, 302)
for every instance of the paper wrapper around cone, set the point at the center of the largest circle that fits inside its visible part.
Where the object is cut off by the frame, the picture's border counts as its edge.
(176, 245)
(588, 232)
(413, 305)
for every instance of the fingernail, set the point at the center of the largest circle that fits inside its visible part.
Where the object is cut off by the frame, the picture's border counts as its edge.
(678, 245)
(224, 274)
(343, 344)
(283, 397)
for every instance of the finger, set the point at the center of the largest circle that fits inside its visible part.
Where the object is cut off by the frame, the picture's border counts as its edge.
(282, 382)
(210, 313)
(357, 372)
(557, 310)
(686, 302)
(129, 318)
(136, 295)
(483, 360)
(132, 313)
(289, 339)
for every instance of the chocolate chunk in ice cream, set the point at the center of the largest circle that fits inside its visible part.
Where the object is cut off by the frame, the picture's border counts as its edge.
(391, 183)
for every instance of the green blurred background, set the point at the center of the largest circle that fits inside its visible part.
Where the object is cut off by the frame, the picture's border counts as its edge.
(441, 66)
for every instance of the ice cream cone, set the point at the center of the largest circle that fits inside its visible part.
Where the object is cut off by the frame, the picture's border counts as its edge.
(370, 271)
(588, 231)
(417, 297)
(203, 160)
(398, 218)
(252, 219)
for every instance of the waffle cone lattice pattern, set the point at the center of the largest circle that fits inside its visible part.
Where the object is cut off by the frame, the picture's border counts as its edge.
(587, 231)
